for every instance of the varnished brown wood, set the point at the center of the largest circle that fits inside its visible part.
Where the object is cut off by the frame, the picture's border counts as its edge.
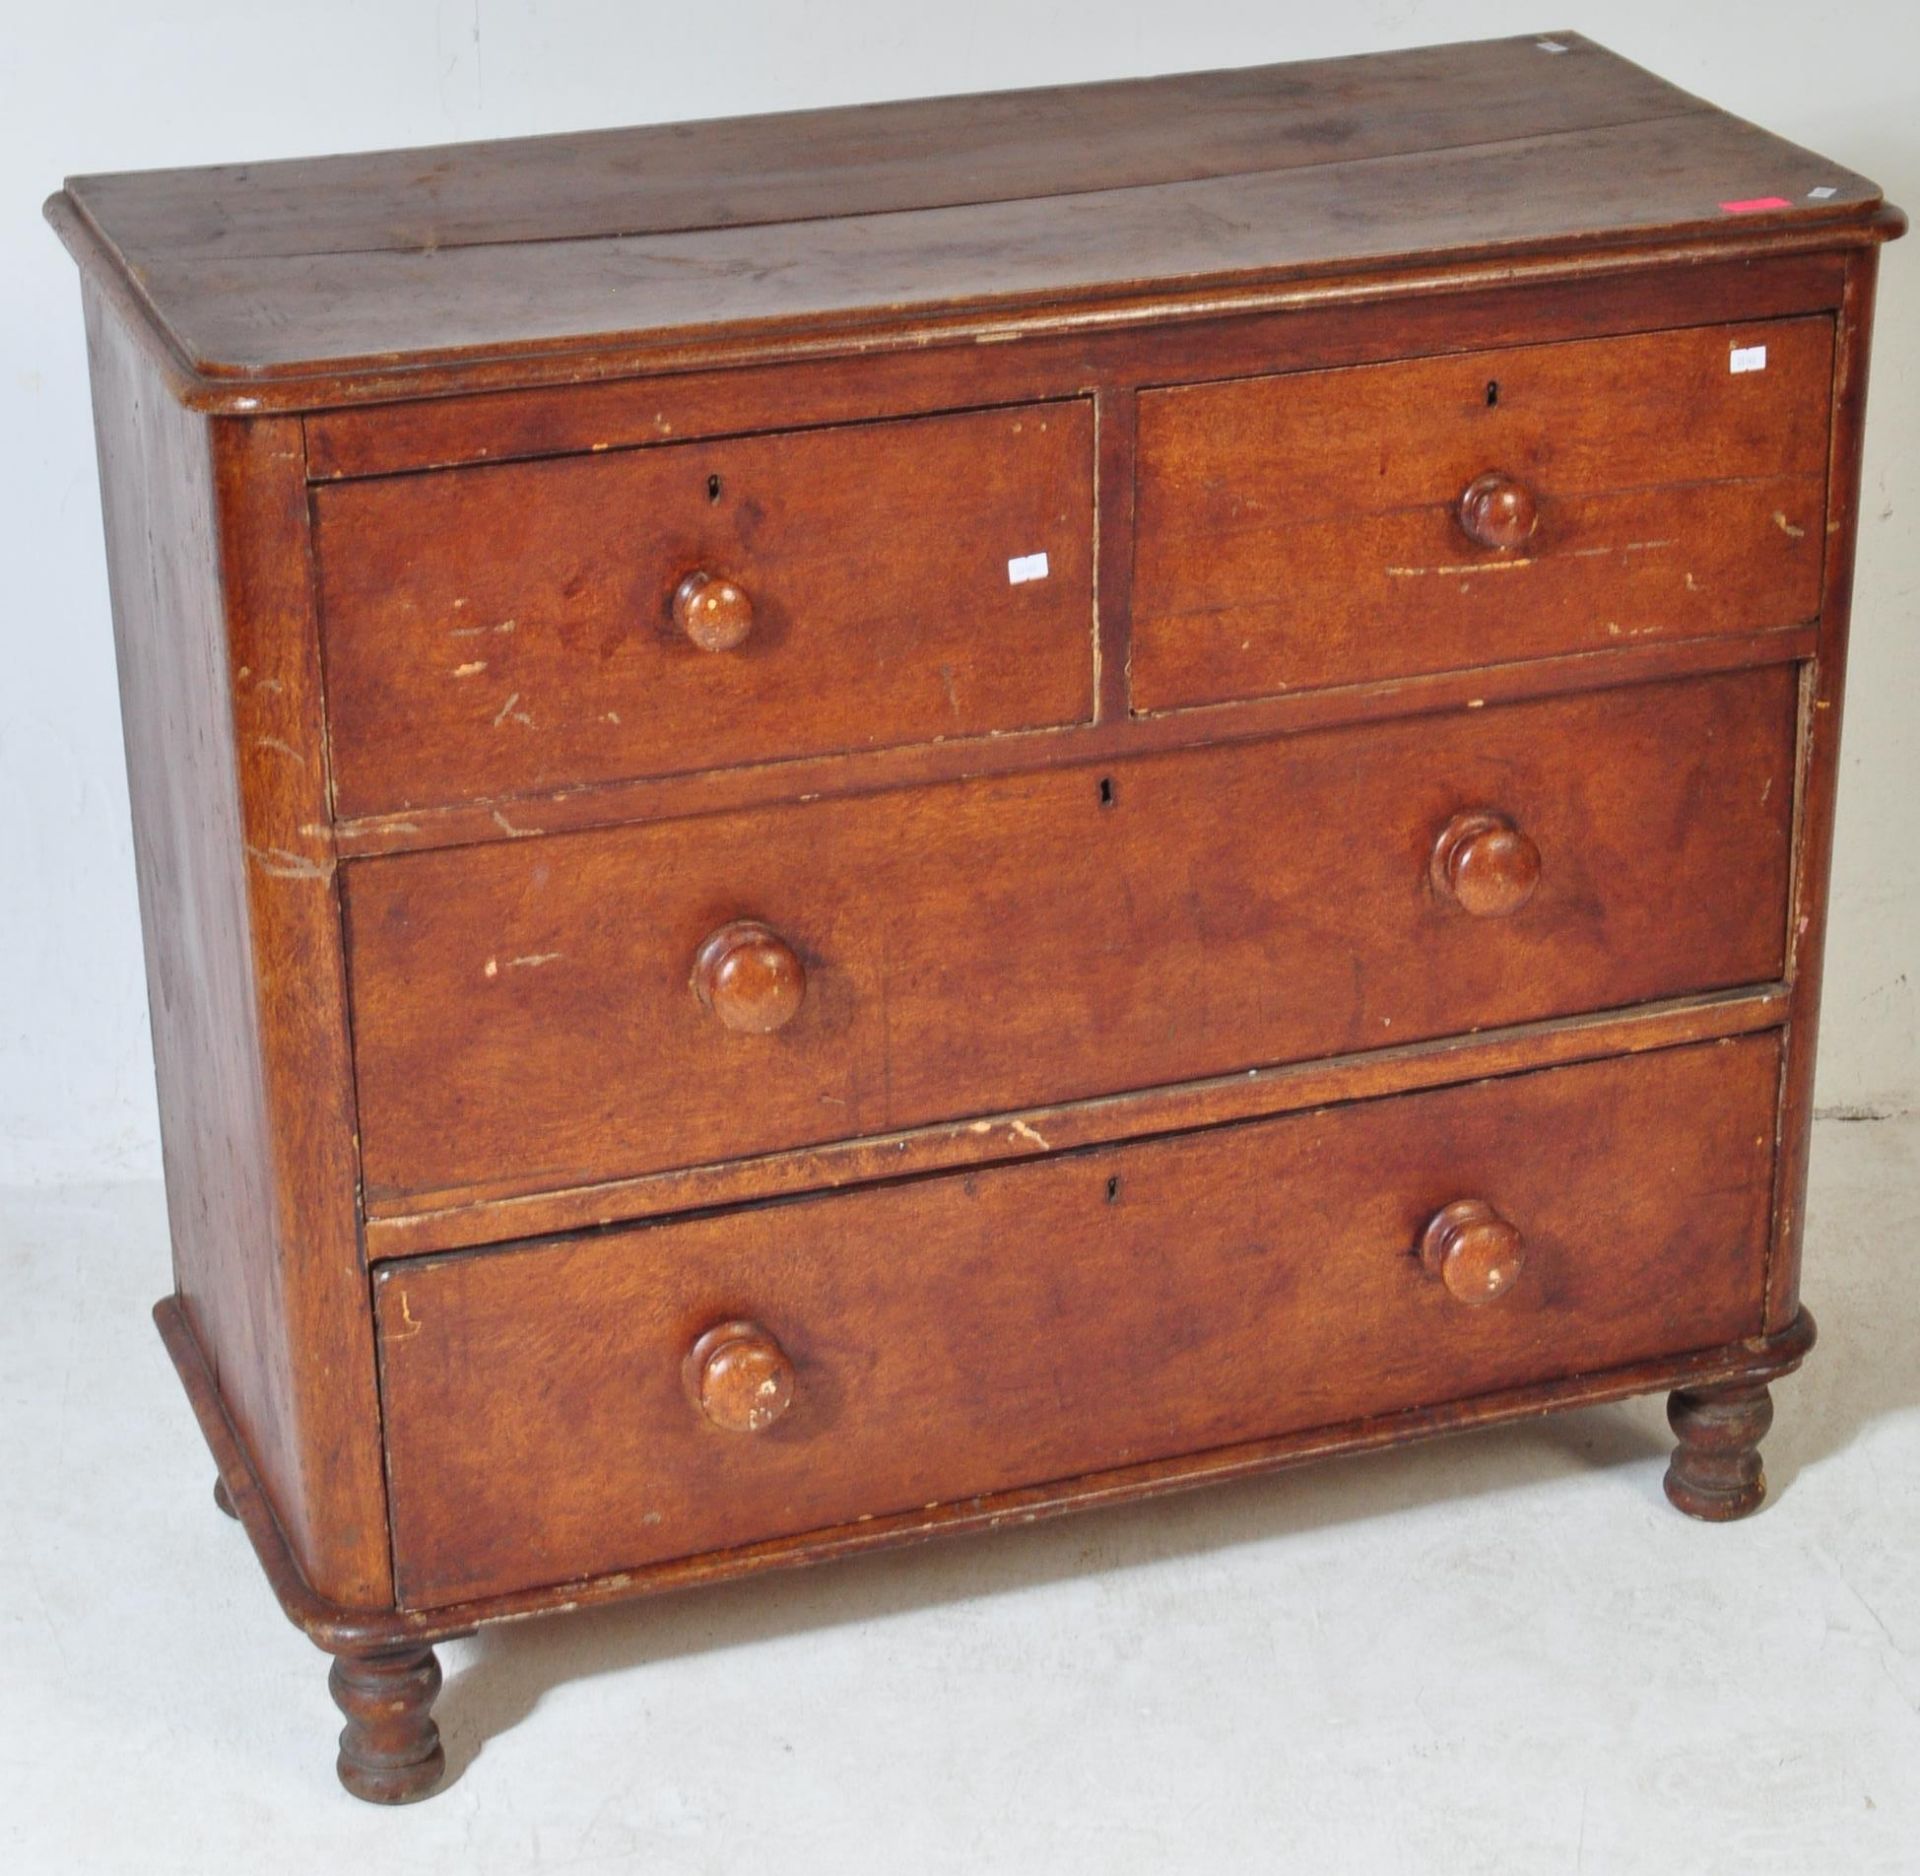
(1716, 1472)
(739, 1377)
(206, 551)
(1607, 153)
(499, 630)
(1823, 695)
(714, 791)
(746, 974)
(992, 1140)
(1448, 313)
(1058, 689)
(1485, 864)
(1498, 510)
(1475, 1252)
(715, 613)
(938, 1353)
(1752, 1358)
(1308, 530)
(390, 1750)
(521, 1012)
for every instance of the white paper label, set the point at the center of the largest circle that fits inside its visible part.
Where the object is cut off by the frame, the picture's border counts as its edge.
(1822, 193)
(1024, 567)
(1747, 358)
(1549, 45)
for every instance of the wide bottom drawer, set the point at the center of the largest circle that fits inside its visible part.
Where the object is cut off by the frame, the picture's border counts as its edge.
(561, 1409)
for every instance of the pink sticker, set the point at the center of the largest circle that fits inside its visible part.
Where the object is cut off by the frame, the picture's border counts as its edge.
(1754, 205)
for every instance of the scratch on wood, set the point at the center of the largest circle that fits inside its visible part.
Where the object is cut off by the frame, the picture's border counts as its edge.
(279, 748)
(1786, 527)
(507, 711)
(507, 827)
(533, 960)
(472, 669)
(1025, 1132)
(278, 863)
(1482, 566)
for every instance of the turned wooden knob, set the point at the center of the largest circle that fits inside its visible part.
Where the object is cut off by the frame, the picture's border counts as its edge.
(1485, 863)
(749, 977)
(739, 1377)
(716, 614)
(1497, 511)
(1472, 1250)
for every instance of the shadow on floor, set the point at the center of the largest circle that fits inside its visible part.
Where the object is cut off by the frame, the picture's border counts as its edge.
(500, 1676)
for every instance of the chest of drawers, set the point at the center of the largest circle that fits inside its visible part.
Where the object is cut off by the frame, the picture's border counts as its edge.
(862, 824)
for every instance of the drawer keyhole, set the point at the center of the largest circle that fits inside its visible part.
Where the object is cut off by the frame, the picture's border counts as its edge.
(713, 484)
(1106, 791)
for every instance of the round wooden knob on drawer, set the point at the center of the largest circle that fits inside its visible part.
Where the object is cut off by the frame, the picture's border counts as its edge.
(1497, 511)
(739, 1377)
(716, 614)
(749, 977)
(1485, 863)
(1472, 1250)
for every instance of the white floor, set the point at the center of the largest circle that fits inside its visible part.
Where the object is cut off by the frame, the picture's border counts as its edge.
(1504, 1653)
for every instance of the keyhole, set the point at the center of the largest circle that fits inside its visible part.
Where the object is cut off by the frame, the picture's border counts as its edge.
(713, 488)
(1106, 791)
(1493, 392)
(1113, 1190)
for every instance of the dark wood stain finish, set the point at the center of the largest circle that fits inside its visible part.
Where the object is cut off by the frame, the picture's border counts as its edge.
(1330, 957)
(1222, 1287)
(525, 1018)
(226, 761)
(420, 258)
(1309, 530)
(498, 631)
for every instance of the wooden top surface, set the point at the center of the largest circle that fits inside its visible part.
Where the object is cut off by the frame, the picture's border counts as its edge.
(339, 279)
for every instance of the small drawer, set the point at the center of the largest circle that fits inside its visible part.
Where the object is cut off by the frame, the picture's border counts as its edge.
(557, 1011)
(553, 1411)
(1385, 521)
(498, 630)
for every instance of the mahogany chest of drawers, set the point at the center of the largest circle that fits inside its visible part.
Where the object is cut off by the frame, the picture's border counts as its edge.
(860, 824)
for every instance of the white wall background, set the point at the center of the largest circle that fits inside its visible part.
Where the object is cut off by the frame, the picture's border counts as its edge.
(124, 84)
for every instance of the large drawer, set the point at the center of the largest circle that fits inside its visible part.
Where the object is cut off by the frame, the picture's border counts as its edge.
(497, 630)
(1308, 530)
(971, 1333)
(528, 1014)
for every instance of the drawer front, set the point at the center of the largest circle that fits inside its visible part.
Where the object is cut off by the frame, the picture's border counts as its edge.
(492, 631)
(967, 1334)
(525, 1013)
(1304, 531)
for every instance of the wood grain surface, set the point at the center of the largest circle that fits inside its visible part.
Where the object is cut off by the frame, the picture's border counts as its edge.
(1301, 531)
(219, 674)
(494, 631)
(1450, 312)
(524, 1017)
(344, 275)
(974, 1333)
(989, 1140)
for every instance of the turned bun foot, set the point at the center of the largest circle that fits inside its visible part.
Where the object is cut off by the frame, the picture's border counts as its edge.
(389, 1748)
(1715, 1472)
(220, 1497)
